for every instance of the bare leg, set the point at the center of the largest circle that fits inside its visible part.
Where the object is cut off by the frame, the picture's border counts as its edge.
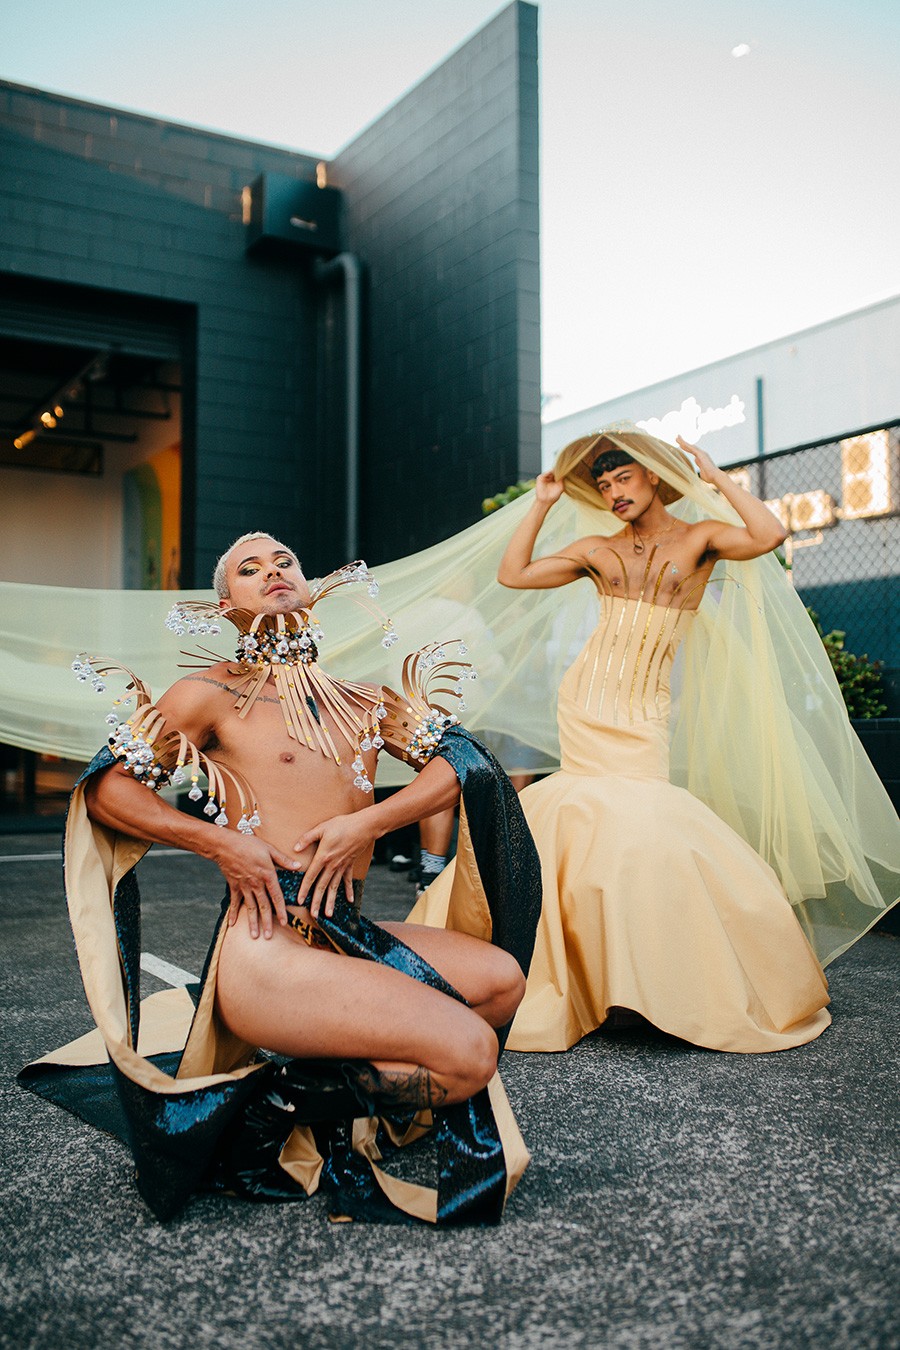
(489, 979)
(426, 1048)
(435, 832)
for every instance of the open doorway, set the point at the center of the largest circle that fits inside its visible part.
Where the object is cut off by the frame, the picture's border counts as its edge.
(91, 480)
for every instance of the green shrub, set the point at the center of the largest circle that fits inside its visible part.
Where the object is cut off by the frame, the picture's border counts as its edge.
(508, 495)
(858, 677)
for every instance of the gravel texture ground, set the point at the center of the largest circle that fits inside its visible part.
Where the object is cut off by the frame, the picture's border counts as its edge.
(677, 1197)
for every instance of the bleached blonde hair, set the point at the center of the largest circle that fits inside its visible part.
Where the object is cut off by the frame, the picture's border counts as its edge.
(220, 580)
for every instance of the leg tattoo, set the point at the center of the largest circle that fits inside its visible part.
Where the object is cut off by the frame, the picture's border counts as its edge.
(393, 1087)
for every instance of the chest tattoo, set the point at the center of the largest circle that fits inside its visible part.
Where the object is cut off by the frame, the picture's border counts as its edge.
(220, 684)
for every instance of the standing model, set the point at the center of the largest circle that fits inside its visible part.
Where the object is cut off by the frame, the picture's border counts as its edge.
(651, 902)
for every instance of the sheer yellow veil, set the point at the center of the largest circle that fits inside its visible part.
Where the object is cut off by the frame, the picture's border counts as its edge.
(759, 729)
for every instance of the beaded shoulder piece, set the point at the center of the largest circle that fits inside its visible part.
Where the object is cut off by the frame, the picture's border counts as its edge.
(416, 719)
(159, 756)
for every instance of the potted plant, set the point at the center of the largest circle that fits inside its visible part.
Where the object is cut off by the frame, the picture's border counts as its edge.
(861, 683)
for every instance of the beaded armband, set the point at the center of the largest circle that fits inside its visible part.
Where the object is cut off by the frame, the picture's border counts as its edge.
(159, 756)
(417, 718)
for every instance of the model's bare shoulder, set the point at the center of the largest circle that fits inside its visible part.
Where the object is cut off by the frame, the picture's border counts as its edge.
(598, 543)
(220, 677)
(195, 703)
(581, 547)
(699, 536)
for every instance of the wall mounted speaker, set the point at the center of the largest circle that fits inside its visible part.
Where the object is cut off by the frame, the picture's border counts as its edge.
(289, 217)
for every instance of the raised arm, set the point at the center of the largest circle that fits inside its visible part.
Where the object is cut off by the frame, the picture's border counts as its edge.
(762, 531)
(518, 570)
(118, 801)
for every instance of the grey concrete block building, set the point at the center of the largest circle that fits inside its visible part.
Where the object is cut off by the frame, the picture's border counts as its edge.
(201, 335)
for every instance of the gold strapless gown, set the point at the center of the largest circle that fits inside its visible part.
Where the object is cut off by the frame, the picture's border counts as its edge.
(651, 902)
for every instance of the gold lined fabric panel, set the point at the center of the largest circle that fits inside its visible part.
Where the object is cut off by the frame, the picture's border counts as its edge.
(622, 675)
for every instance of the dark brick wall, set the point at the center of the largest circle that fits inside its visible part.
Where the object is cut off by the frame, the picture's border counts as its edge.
(442, 206)
(92, 197)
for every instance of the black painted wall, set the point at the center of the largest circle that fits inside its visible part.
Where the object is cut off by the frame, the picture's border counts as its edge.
(441, 200)
(123, 204)
(442, 205)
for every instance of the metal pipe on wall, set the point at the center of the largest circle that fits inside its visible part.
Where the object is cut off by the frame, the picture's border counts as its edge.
(349, 266)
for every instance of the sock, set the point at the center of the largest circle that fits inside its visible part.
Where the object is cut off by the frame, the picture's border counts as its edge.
(431, 864)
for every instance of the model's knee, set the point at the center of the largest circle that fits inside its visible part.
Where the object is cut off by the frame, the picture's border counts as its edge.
(513, 982)
(508, 988)
(476, 1057)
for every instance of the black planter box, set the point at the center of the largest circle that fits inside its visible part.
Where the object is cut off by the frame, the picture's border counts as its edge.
(881, 740)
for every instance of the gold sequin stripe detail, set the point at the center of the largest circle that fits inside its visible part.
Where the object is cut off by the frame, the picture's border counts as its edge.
(615, 638)
(634, 620)
(602, 580)
(643, 642)
(678, 612)
(669, 608)
(661, 647)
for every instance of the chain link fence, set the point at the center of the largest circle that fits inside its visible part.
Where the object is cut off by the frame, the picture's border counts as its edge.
(841, 502)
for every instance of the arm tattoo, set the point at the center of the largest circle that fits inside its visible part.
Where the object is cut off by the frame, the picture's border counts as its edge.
(393, 1087)
(229, 689)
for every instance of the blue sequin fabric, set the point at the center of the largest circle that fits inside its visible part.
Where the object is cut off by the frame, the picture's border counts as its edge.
(229, 1135)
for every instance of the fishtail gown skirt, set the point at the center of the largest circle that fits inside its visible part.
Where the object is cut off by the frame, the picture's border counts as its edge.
(650, 901)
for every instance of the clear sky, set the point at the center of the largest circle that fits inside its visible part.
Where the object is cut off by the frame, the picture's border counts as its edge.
(694, 202)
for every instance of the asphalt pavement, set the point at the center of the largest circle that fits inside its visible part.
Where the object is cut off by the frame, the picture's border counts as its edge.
(677, 1197)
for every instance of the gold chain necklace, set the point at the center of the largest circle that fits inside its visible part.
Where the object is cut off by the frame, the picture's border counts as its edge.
(637, 543)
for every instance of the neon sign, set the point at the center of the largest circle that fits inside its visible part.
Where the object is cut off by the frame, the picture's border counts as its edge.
(691, 421)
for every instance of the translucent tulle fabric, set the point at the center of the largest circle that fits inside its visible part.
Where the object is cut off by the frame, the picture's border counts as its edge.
(759, 729)
(650, 901)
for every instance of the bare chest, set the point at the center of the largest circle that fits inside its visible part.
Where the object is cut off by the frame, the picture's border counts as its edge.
(667, 573)
(287, 772)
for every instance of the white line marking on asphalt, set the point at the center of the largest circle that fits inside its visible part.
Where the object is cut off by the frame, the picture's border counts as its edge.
(38, 857)
(29, 857)
(163, 970)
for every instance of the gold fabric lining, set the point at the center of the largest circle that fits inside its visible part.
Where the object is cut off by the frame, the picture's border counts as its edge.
(618, 645)
(165, 1021)
(468, 910)
(96, 859)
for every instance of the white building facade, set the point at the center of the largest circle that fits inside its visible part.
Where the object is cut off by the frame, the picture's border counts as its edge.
(811, 424)
(824, 384)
